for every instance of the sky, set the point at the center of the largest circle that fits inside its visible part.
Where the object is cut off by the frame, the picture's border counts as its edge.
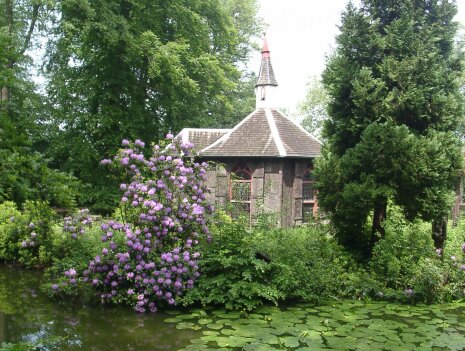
(300, 34)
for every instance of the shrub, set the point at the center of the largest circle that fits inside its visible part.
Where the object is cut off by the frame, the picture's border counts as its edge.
(25, 237)
(232, 275)
(150, 258)
(74, 244)
(312, 266)
(397, 256)
(408, 268)
(11, 221)
(243, 268)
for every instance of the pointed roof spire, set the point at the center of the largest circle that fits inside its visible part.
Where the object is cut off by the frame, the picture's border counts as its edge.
(265, 50)
(266, 74)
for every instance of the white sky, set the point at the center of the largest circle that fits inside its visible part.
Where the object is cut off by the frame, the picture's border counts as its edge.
(299, 35)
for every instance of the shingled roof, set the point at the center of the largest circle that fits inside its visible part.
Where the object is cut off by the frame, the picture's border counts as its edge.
(266, 75)
(265, 133)
(201, 137)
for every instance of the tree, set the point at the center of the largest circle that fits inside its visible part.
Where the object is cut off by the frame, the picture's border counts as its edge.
(24, 173)
(313, 109)
(138, 69)
(19, 20)
(395, 107)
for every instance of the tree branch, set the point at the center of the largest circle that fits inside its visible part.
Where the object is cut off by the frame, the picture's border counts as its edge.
(27, 39)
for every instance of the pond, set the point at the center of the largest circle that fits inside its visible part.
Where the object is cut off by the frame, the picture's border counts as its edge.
(27, 315)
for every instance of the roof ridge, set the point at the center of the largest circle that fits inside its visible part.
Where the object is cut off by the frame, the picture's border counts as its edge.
(299, 126)
(275, 132)
(228, 134)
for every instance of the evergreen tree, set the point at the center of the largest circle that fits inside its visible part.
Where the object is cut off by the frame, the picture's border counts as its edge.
(395, 107)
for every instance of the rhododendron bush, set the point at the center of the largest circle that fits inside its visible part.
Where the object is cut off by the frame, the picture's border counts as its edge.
(149, 257)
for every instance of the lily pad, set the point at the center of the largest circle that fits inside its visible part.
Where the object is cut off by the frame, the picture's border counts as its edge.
(258, 347)
(185, 325)
(290, 341)
(215, 326)
(204, 321)
(172, 320)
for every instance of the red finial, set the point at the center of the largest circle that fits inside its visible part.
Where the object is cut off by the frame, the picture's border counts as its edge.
(265, 50)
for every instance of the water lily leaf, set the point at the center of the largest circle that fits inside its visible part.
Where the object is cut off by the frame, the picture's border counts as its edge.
(255, 316)
(184, 325)
(411, 337)
(258, 347)
(294, 308)
(233, 341)
(210, 333)
(269, 339)
(173, 320)
(210, 338)
(336, 343)
(215, 326)
(290, 341)
(196, 347)
(204, 321)
(227, 332)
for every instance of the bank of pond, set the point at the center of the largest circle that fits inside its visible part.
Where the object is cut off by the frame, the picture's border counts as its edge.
(28, 317)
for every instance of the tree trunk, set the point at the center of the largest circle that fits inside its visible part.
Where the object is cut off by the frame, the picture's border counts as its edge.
(439, 233)
(5, 90)
(14, 53)
(3, 328)
(4, 94)
(379, 216)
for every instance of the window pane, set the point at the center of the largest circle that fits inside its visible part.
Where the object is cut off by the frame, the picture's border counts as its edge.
(307, 191)
(307, 212)
(240, 191)
(241, 174)
(308, 175)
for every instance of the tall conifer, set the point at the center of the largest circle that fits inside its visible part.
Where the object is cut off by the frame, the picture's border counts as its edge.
(395, 108)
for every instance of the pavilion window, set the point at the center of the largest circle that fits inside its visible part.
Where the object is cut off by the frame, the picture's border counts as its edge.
(308, 196)
(240, 191)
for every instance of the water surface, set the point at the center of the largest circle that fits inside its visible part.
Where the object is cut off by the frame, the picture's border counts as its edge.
(26, 315)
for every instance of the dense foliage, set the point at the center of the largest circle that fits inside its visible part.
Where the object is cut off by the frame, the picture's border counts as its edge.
(137, 69)
(26, 236)
(395, 106)
(25, 173)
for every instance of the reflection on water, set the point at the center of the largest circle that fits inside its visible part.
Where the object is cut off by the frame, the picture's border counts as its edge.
(27, 315)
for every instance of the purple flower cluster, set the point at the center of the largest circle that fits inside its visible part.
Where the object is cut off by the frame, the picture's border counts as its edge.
(152, 258)
(31, 241)
(75, 225)
(408, 292)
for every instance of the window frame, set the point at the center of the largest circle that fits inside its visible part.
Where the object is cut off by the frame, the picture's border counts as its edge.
(241, 168)
(307, 179)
